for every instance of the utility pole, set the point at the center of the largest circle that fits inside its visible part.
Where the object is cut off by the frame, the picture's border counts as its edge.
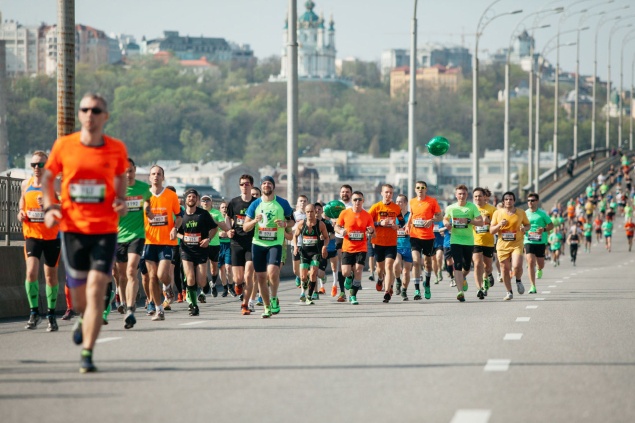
(4, 136)
(65, 67)
(292, 103)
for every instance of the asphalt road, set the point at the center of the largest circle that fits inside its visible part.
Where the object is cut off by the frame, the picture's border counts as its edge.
(566, 354)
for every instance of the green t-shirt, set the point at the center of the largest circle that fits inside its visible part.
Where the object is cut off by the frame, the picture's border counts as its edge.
(628, 211)
(537, 219)
(266, 232)
(588, 229)
(556, 221)
(555, 241)
(131, 225)
(218, 217)
(602, 205)
(589, 191)
(460, 218)
(604, 188)
(607, 227)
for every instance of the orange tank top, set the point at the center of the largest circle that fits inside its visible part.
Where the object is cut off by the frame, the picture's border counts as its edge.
(33, 226)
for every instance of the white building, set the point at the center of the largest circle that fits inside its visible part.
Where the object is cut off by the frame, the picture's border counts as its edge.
(21, 44)
(316, 47)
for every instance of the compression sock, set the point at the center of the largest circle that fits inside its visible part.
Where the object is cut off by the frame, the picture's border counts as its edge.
(451, 271)
(417, 283)
(67, 292)
(51, 297)
(214, 279)
(427, 282)
(334, 277)
(311, 289)
(191, 293)
(33, 293)
(110, 294)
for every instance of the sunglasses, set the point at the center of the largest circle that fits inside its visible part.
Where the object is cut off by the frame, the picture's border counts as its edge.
(420, 188)
(95, 110)
(245, 184)
(40, 165)
(205, 200)
(531, 201)
(358, 199)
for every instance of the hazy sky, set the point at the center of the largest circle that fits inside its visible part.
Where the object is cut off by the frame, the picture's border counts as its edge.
(363, 27)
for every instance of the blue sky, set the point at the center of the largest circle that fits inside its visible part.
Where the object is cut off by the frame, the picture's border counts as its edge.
(364, 27)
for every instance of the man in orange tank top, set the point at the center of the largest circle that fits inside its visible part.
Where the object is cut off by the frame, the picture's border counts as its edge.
(92, 166)
(39, 240)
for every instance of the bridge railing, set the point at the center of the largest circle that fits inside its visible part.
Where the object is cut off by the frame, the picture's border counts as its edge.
(10, 226)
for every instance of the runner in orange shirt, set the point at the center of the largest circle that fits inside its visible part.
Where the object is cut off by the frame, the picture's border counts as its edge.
(629, 227)
(92, 166)
(424, 211)
(162, 218)
(39, 240)
(355, 226)
(388, 218)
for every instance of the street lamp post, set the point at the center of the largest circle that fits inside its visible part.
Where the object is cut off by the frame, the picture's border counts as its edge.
(630, 116)
(412, 151)
(619, 124)
(292, 103)
(483, 22)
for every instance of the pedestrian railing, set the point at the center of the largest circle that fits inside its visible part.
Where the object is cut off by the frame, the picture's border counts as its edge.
(10, 192)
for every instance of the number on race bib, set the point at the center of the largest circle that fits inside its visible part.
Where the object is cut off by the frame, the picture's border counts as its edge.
(508, 236)
(356, 236)
(87, 191)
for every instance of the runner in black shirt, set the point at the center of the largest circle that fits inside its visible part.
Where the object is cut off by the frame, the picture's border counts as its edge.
(195, 232)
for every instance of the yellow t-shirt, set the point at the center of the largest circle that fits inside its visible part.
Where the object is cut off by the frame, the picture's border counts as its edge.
(482, 237)
(510, 235)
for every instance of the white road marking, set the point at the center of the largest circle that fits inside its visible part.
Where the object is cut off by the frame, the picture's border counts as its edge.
(553, 286)
(497, 365)
(539, 299)
(546, 292)
(531, 307)
(512, 336)
(558, 281)
(471, 416)
(102, 340)
(198, 322)
(522, 319)
(566, 277)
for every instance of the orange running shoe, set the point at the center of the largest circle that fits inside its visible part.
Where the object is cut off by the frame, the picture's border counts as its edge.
(334, 291)
(179, 298)
(379, 286)
(341, 298)
(322, 290)
(244, 310)
(239, 289)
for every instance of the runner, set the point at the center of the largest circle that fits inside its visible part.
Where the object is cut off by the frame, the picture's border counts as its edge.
(130, 243)
(437, 258)
(241, 240)
(483, 243)
(555, 244)
(269, 217)
(163, 217)
(299, 215)
(388, 219)
(92, 166)
(225, 253)
(403, 263)
(39, 241)
(424, 211)
(319, 210)
(536, 239)
(214, 249)
(331, 249)
(573, 239)
(510, 223)
(629, 228)
(607, 230)
(597, 224)
(346, 191)
(308, 244)
(196, 231)
(354, 225)
(588, 235)
(461, 217)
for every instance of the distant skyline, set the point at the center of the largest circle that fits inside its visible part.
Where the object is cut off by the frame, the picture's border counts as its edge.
(364, 28)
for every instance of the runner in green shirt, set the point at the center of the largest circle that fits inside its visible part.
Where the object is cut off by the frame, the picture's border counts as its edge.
(535, 239)
(555, 242)
(214, 248)
(607, 228)
(588, 236)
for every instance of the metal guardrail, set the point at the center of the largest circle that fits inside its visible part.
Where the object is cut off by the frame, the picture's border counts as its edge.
(10, 191)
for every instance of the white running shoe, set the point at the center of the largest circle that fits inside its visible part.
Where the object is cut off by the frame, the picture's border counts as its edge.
(520, 287)
(509, 296)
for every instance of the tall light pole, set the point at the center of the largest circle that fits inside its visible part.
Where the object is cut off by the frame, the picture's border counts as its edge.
(620, 109)
(483, 22)
(630, 116)
(292, 102)
(412, 151)
(65, 67)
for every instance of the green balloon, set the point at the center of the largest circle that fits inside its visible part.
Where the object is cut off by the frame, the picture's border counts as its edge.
(333, 209)
(438, 146)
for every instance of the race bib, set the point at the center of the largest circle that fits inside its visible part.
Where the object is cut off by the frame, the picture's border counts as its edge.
(508, 236)
(459, 222)
(35, 216)
(482, 229)
(268, 234)
(418, 223)
(401, 233)
(574, 242)
(309, 241)
(240, 220)
(89, 191)
(534, 236)
(134, 203)
(159, 220)
(192, 239)
(356, 236)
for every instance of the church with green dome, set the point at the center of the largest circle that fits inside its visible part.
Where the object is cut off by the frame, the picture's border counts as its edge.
(316, 46)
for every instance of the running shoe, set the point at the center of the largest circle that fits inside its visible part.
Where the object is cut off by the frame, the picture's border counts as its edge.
(354, 300)
(465, 286)
(322, 290)
(302, 296)
(348, 283)
(244, 310)
(404, 295)
(452, 283)
(194, 311)
(267, 313)
(379, 286)
(201, 298)
(509, 296)
(436, 280)
(460, 297)
(308, 301)
(34, 319)
(398, 287)
(387, 297)
(341, 298)
(371, 278)
(232, 292)
(491, 280)
(239, 289)
(214, 291)
(440, 275)
(417, 295)
(334, 291)
(520, 287)
(315, 296)
(298, 282)
(275, 305)
(151, 308)
(533, 290)
(129, 321)
(166, 305)
(251, 306)
(86, 363)
(225, 291)
(52, 325)
(485, 293)
(539, 273)
(161, 316)
(259, 301)
(68, 314)
(121, 309)
(500, 280)
(426, 292)
(179, 298)
(241, 297)
(104, 317)
(78, 336)
(480, 294)
(206, 289)
(117, 301)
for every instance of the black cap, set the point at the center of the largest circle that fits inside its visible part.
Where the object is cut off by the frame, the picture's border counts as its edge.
(191, 191)
(268, 179)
